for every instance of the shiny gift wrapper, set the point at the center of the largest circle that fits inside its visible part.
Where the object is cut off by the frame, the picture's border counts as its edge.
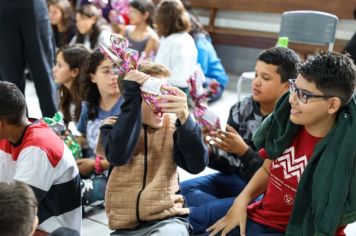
(152, 89)
(201, 112)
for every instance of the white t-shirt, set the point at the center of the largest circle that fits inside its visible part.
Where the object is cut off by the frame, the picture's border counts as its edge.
(178, 52)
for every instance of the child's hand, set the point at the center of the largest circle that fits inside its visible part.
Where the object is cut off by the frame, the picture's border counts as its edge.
(236, 216)
(135, 75)
(230, 141)
(85, 166)
(175, 104)
(207, 135)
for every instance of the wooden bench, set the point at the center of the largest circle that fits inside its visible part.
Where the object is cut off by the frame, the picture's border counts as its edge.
(264, 39)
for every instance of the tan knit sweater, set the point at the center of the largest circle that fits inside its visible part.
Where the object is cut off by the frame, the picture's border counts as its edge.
(158, 199)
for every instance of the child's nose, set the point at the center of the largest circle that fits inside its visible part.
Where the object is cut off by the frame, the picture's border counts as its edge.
(257, 81)
(113, 76)
(293, 98)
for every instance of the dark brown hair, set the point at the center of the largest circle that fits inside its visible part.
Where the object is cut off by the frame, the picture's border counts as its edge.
(144, 6)
(89, 10)
(89, 90)
(18, 208)
(12, 103)
(66, 9)
(334, 74)
(75, 57)
(171, 17)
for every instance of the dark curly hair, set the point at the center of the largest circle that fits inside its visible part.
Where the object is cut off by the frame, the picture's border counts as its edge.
(334, 74)
(171, 17)
(285, 59)
(89, 90)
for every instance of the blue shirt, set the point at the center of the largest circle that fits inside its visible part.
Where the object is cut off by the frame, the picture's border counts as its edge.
(91, 128)
(209, 60)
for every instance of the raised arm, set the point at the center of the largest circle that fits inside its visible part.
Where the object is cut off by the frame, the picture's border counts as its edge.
(190, 151)
(120, 139)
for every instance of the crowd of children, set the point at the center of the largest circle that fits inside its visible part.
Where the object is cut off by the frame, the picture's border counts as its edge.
(285, 161)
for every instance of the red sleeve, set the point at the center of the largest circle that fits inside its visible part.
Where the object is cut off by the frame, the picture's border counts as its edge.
(262, 152)
(340, 231)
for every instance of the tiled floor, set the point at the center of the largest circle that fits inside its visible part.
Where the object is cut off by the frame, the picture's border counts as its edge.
(95, 221)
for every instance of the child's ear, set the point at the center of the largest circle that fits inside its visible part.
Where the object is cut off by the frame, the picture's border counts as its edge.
(146, 15)
(92, 78)
(285, 87)
(74, 72)
(93, 20)
(334, 105)
(34, 225)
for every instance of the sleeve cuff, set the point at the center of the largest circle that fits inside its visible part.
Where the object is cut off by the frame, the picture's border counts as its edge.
(248, 156)
(189, 124)
(130, 88)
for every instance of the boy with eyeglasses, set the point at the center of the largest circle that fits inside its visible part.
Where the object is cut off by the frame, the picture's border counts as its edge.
(309, 150)
(233, 153)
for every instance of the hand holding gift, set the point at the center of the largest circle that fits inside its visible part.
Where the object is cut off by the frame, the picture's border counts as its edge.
(202, 114)
(126, 61)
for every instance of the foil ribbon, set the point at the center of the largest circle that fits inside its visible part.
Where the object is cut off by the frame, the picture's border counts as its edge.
(57, 125)
(199, 96)
(152, 89)
(120, 11)
(126, 59)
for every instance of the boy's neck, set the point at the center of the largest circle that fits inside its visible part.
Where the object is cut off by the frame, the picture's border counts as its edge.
(266, 109)
(16, 131)
(322, 127)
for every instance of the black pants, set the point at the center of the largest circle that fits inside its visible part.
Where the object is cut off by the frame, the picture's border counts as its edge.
(26, 36)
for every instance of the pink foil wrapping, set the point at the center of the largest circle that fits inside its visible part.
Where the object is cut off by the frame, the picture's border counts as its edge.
(152, 89)
(126, 59)
(201, 112)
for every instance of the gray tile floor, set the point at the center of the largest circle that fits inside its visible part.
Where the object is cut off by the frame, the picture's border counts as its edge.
(95, 221)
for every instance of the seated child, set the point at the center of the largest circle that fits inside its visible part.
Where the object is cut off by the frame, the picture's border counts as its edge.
(176, 49)
(208, 60)
(309, 158)
(209, 197)
(18, 211)
(145, 146)
(31, 152)
(66, 72)
(100, 91)
(140, 34)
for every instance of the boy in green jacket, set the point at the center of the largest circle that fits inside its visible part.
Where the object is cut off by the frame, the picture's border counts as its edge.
(309, 152)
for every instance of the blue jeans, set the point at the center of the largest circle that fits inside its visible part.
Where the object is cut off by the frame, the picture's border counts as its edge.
(210, 197)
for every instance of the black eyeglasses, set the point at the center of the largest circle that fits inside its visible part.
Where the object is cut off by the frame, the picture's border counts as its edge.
(302, 95)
